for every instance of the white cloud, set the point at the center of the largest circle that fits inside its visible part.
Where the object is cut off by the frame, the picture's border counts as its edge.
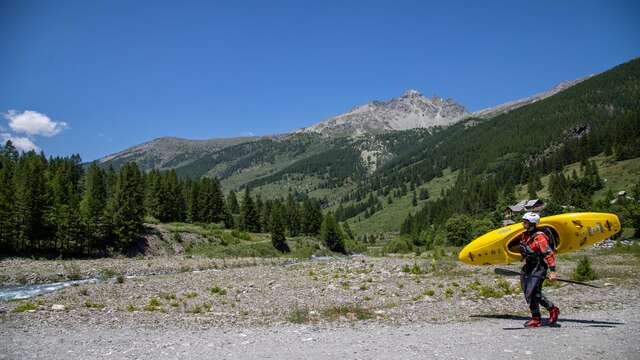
(33, 123)
(21, 143)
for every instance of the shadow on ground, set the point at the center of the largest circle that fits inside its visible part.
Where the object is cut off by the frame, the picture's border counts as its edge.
(587, 323)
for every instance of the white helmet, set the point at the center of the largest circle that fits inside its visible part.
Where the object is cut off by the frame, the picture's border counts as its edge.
(531, 217)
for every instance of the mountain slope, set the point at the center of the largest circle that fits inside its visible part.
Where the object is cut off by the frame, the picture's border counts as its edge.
(170, 152)
(409, 111)
(512, 105)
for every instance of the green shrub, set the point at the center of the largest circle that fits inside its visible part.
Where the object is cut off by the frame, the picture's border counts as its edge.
(168, 296)
(120, 279)
(93, 305)
(414, 269)
(73, 271)
(448, 292)
(399, 245)
(25, 306)
(299, 316)
(584, 271)
(190, 295)
(504, 286)
(489, 291)
(356, 311)
(241, 235)
(429, 292)
(218, 290)
(153, 304)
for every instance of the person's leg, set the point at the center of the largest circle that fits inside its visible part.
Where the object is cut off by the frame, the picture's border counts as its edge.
(529, 288)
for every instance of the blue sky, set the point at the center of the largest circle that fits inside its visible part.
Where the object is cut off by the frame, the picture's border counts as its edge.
(95, 77)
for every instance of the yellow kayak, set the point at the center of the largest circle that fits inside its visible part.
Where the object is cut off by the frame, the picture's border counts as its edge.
(573, 232)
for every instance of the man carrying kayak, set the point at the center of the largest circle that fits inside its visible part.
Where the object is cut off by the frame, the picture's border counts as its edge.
(538, 257)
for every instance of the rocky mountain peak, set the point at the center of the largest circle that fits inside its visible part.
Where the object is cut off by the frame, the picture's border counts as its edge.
(408, 111)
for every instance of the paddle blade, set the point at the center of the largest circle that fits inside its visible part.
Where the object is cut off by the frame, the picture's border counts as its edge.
(506, 272)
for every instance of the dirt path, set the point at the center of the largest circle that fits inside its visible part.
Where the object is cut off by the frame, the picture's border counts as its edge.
(590, 335)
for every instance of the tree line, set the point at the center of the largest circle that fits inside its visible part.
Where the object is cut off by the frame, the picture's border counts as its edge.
(58, 206)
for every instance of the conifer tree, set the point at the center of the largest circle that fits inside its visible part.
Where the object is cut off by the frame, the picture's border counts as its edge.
(311, 217)
(232, 203)
(331, 235)
(128, 207)
(7, 202)
(93, 205)
(347, 230)
(250, 219)
(31, 200)
(292, 212)
(277, 229)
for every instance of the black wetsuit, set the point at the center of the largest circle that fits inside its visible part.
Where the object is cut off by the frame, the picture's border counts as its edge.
(536, 253)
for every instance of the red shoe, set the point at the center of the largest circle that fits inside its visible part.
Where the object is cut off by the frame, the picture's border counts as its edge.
(553, 315)
(533, 323)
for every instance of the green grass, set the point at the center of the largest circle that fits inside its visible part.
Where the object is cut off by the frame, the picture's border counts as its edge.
(299, 316)
(92, 305)
(25, 307)
(218, 290)
(348, 311)
(256, 249)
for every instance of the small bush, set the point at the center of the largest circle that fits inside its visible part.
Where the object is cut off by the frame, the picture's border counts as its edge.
(190, 295)
(348, 311)
(448, 292)
(92, 305)
(168, 296)
(153, 304)
(429, 292)
(218, 290)
(299, 316)
(489, 291)
(504, 286)
(84, 292)
(120, 279)
(73, 271)
(584, 271)
(414, 269)
(131, 308)
(106, 273)
(25, 306)
(241, 235)
(399, 245)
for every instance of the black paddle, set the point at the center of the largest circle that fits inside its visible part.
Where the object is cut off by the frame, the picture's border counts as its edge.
(507, 272)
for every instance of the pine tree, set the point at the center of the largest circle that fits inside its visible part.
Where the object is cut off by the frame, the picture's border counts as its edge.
(311, 217)
(31, 200)
(250, 219)
(7, 202)
(331, 235)
(347, 230)
(93, 205)
(232, 203)
(128, 207)
(277, 229)
(414, 199)
(292, 212)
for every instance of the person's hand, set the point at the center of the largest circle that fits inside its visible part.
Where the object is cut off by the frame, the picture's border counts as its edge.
(553, 276)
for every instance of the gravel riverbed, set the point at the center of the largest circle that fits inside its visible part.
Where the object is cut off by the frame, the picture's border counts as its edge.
(357, 307)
